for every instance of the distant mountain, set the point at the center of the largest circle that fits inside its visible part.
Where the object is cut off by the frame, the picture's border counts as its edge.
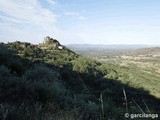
(100, 49)
(102, 46)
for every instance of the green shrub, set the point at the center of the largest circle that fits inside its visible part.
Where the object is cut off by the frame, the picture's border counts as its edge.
(41, 73)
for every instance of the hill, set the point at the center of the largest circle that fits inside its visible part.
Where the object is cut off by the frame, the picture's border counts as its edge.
(50, 82)
(141, 65)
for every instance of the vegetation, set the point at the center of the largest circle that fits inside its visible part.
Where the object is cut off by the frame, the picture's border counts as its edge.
(137, 67)
(53, 84)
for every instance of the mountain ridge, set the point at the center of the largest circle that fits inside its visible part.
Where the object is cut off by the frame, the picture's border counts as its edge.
(115, 46)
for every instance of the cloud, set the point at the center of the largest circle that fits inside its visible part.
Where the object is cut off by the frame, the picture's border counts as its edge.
(77, 14)
(52, 2)
(82, 18)
(27, 16)
(72, 13)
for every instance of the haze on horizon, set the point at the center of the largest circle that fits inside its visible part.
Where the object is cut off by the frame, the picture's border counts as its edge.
(81, 21)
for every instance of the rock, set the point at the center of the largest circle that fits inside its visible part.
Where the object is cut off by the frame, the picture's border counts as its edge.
(50, 43)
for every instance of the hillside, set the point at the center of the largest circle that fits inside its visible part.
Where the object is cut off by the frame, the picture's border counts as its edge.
(50, 82)
(141, 65)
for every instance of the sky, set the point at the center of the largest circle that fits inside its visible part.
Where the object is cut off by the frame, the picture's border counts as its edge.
(81, 21)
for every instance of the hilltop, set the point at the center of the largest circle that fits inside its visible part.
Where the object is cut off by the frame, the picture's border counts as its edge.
(49, 81)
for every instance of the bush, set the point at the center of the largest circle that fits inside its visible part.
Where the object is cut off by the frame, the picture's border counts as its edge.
(40, 73)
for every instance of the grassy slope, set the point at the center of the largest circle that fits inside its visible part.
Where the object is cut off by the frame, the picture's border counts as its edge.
(139, 68)
(59, 84)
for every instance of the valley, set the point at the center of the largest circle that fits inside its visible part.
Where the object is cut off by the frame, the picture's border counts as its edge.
(141, 63)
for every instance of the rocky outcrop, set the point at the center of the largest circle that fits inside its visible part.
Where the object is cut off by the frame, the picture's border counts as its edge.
(51, 44)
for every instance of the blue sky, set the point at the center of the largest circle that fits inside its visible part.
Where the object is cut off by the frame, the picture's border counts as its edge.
(81, 21)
